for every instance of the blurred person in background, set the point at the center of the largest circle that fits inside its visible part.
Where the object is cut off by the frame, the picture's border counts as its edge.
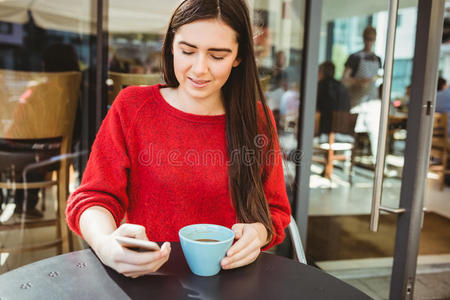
(361, 71)
(137, 66)
(442, 84)
(401, 103)
(277, 86)
(369, 120)
(443, 101)
(278, 77)
(332, 95)
(289, 105)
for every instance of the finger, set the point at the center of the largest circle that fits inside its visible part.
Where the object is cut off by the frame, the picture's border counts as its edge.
(134, 270)
(243, 241)
(166, 247)
(252, 247)
(130, 269)
(243, 262)
(238, 230)
(132, 230)
(147, 270)
(131, 257)
(159, 264)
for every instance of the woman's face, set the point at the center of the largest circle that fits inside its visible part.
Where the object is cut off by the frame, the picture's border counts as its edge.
(204, 53)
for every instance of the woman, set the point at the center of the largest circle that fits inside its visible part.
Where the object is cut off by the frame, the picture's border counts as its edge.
(200, 149)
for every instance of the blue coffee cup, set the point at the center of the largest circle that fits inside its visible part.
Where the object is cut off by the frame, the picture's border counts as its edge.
(204, 246)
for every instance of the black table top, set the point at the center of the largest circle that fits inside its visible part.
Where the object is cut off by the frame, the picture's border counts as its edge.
(81, 275)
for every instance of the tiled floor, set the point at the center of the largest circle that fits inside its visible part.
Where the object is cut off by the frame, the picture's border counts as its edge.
(368, 275)
(434, 286)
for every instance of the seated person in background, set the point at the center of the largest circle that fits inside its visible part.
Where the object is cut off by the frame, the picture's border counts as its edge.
(278, 77)
(137, 66)
(278, 85)
(401, 104)
(290, 102)
(443, 104)
(361, 71)
(442, 84)
(332, 96)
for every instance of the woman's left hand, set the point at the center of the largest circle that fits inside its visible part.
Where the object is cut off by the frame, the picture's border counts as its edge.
(250, 238)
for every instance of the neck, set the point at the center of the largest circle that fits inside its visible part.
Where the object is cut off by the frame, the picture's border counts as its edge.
(203, 106)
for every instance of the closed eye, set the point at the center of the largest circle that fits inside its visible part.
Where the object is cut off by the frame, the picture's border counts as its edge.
(217, 57)
(187, 53)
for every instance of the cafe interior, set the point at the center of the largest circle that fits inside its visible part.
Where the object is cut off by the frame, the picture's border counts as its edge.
(72, 58)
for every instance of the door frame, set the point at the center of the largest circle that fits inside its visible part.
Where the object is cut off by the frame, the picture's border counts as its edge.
(430, 19)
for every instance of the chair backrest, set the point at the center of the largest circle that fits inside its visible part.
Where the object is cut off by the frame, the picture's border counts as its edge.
(396, 123)
(265, 82)
(439, 142)
(343, 122)
(122, 80)
(296, 242)
(38, 105)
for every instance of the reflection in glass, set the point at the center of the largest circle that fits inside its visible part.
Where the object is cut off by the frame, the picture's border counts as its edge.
(278, 37)
(42, 52)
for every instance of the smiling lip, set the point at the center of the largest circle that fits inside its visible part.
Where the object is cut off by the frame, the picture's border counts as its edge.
(199, 83)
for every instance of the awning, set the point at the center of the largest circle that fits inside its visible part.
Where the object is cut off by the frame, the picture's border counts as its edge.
(145, 16)
(14, 11)
(136, 16)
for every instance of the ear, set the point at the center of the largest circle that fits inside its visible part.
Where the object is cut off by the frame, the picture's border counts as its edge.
(236, 62)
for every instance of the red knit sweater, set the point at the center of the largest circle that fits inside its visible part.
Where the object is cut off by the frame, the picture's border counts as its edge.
(164, 169)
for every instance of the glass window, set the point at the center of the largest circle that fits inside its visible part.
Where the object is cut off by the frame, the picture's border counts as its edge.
(45, 59)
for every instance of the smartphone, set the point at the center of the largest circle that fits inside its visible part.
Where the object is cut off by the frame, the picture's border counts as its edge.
(136, 244)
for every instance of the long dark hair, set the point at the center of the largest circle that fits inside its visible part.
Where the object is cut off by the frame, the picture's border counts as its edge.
(245, 133)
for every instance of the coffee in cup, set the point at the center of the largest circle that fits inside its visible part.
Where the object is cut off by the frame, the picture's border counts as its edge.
(204, 246)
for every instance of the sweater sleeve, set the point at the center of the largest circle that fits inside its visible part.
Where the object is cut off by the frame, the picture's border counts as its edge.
(105, 178)
(275, 191)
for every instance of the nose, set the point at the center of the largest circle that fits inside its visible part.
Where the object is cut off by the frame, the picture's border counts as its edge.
(200, 65)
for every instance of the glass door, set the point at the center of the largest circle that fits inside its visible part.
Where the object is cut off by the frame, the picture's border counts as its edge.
(352, 63)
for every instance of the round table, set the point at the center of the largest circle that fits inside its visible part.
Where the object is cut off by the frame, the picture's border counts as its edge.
(81, 275)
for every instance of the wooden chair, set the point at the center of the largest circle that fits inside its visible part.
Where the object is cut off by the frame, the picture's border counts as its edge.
(440, 147)
(265, 82)
(122, 80)
(327, 153)
(317, 124)
(396, 125)
(37, 108)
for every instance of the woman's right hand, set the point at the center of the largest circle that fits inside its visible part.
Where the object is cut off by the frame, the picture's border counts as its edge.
(128, 262)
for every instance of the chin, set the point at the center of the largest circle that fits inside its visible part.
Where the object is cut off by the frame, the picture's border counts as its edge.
(201, 93)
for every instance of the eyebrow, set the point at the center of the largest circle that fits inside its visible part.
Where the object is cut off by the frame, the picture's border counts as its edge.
(209, 49)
